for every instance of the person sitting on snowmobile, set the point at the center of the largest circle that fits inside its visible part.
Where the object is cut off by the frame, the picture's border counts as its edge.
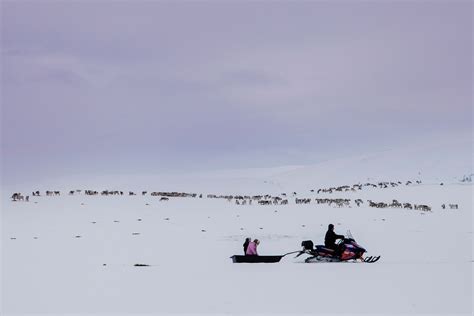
(246, 244)
(252, 248)
(330, 239)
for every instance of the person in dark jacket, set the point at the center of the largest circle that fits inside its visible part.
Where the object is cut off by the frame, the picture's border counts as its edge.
(246, 244)
(331, 237)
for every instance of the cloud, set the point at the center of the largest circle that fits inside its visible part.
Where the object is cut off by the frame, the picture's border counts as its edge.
(196, 81)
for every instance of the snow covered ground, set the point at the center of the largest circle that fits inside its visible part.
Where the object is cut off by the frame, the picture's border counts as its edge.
(76, 254)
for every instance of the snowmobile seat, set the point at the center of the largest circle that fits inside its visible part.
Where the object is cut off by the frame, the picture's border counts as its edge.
(325, 249)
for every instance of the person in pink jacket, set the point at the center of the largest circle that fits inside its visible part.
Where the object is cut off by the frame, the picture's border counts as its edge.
(252, 248)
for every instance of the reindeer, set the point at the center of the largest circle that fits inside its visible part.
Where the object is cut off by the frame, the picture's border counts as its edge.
(371, 203)
(397, 204)
(377, 205)
(407, 206)
(302, 201)
(424, 208)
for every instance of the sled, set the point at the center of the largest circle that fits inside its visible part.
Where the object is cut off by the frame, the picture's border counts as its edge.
(255, 259)
(258, 259)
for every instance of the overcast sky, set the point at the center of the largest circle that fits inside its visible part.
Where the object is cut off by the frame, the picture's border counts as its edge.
(137, 86)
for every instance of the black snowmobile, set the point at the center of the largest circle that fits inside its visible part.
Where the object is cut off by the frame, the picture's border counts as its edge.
(347, 250)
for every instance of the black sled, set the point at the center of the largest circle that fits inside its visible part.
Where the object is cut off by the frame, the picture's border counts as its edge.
(259, 259)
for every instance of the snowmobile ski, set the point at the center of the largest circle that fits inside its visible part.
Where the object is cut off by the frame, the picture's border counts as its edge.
(371, 259)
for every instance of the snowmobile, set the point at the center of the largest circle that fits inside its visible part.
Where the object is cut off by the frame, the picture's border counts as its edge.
(347, 250)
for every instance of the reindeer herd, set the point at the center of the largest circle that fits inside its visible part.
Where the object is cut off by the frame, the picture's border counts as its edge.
(266, 199)
(358, 186)
(396, 204)
(20, 197)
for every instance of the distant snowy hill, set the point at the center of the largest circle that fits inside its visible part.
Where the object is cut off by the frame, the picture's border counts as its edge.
(447, 160)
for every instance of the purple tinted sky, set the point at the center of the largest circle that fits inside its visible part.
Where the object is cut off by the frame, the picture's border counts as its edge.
(102, 86)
